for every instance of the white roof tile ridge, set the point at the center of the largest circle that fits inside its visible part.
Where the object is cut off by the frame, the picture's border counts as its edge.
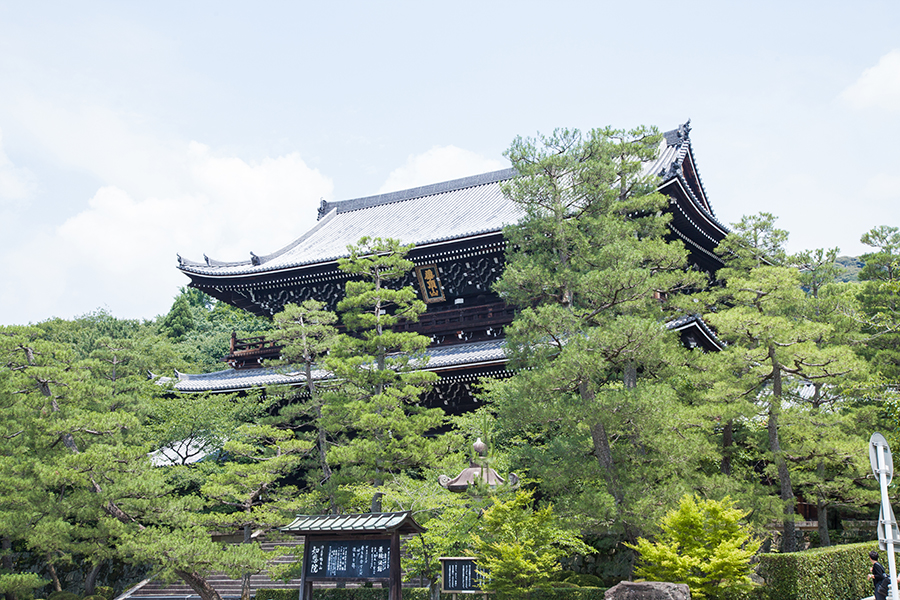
(343, 206)
(186, 264)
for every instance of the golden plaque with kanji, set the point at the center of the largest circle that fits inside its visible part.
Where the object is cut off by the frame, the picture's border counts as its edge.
(430, 283)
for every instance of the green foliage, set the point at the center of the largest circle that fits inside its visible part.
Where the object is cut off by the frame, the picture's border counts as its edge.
(586, 266)
(20, 584)
(372, 593)
(106, 591)
(834, 573)
(779, 335)
(703, 544)
(518, 546)
(754, 242)
(306, 333)
(185, 427)
(179, 321)
(578, 579)
(884, 263)
(373, 408)
(275, 594)
(557, 593)
(879, 301)
(63, 596)
(850, 267)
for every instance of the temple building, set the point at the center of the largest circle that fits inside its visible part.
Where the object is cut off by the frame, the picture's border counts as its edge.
(457, 229)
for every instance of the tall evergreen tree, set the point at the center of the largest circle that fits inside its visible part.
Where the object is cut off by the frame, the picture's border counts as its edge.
(378, 371)
(773, 344)
(880, 300)
(306, 333)
(590, 415)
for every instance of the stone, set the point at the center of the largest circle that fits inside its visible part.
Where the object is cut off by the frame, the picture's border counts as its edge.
(648, 590)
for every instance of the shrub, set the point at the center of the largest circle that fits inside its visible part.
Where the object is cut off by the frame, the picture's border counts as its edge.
(520, 546)
(63, 596)
(833, 573)
(579, 579)
(362, 593)
(20, 584)
(584, 593)
(702, 544)
(276, 594)
(106, 591)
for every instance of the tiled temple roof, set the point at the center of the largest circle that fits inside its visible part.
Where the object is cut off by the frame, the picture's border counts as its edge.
(440, 358)
(402, 522)
(451, 210)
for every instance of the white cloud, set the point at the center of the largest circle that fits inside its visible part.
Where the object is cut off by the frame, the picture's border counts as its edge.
(120, 251)
(16, 183)
(441, 163)
(883, 186)
(878, 86)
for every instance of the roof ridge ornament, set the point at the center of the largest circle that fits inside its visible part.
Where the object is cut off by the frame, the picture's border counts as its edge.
(478, 473)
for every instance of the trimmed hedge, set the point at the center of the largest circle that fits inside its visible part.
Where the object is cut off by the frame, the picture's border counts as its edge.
(833, 573)
(277, 594)
(360, 593)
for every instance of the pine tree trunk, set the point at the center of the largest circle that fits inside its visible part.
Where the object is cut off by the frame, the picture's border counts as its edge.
(7, 563)
(789, 541)
(53, 575)
(376, 502)
(727, 444)
(824, 538)
(90, 582)
(245, 579)
(199, 585)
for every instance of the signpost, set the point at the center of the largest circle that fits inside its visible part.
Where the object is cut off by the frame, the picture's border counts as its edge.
(459, 575)
(888, 533)
(349, 559)
(358, 547)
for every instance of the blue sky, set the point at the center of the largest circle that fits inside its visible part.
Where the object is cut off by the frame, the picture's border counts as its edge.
(131, 132)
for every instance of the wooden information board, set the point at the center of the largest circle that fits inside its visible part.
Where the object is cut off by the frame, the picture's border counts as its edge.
(349, 559)
(458, 575)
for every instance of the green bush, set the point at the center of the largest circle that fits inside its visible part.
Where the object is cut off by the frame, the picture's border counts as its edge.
(63, 596)
(705, 544)
(575, 593)
(362, 593)
(105, 591)
(277, 594)
(833, 573)
(579, 579)
(94, 597)
(359, 593)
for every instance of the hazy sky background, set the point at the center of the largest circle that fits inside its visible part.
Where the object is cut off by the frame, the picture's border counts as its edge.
(134, 131)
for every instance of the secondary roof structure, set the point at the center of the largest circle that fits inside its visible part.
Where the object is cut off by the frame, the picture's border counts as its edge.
(365, 523)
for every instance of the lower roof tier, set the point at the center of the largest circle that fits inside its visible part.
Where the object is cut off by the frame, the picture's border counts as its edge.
(446, 361)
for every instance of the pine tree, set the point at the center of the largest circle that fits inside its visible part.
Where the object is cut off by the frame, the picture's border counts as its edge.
(879, 299)
(179, 321)
(773, 344)
(591, 414)
(378, 371)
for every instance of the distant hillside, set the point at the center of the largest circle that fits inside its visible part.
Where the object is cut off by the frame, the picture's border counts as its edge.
(851, 266)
